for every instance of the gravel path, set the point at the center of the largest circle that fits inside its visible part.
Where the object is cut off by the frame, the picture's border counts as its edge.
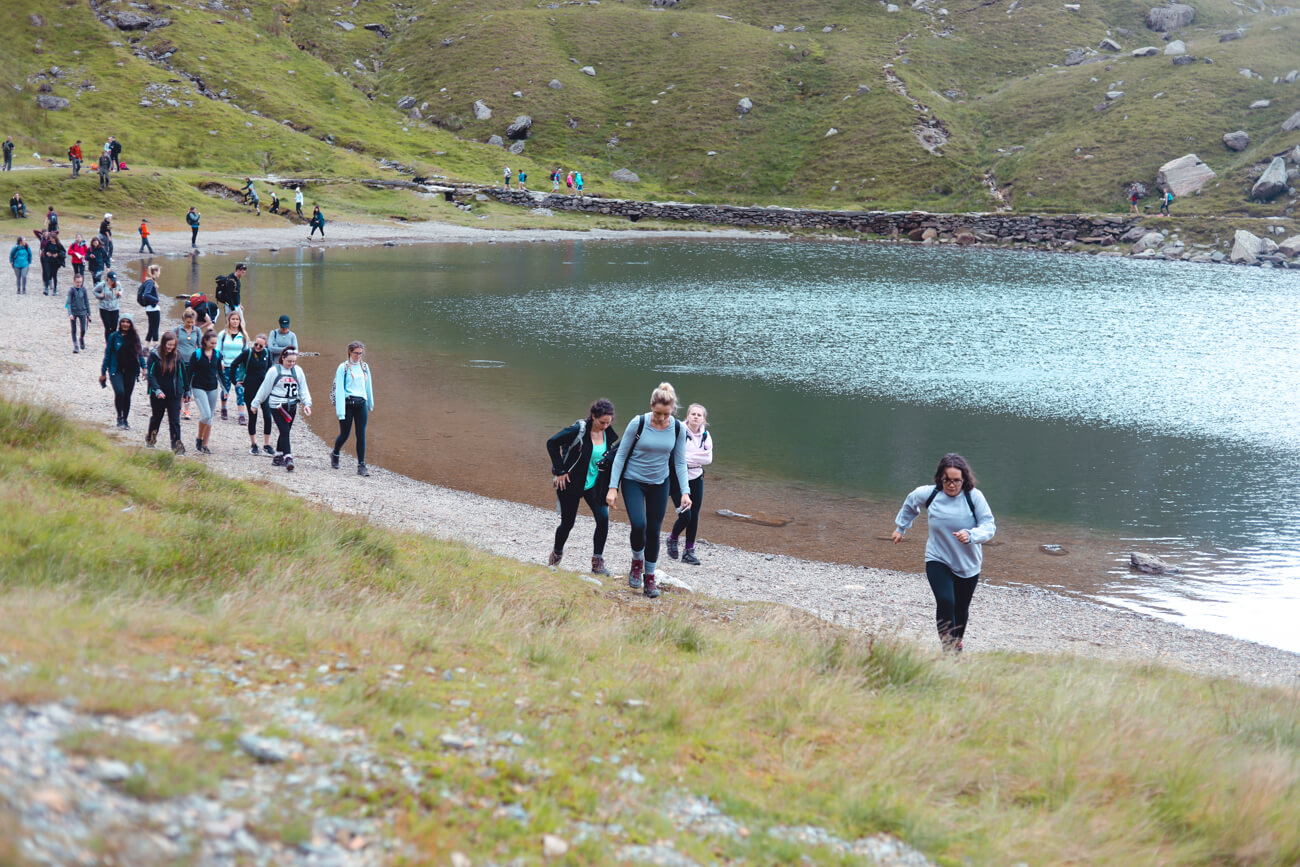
(34, 331)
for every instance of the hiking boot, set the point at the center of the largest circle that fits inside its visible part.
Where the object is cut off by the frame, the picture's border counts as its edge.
(150, 439)
(267, 450)
(126, 425)
(363, 470)
(223, 414)
(651, 590)
(554, 559)
(243, 419)
(672, 547)
(689, 557)
(334, 460)
(198, 444)
(277, 461)
(254, 450)
(204, 448)
(178, 447)
(288, 463)
(598, 566)
(634, 574)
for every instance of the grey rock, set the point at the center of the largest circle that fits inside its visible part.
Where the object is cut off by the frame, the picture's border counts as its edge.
(52, 103)
(481, 111)
(1109, 44)
(1291, 76)
(1236, 141)
(1150, 564)
(447, 43)
(625, 176)
(1132, 234)
(1292, 123)
(1149, 241)
(35, 20)
(1245, 73)
(1145, 51)
(478, 197)
(556, 84)
(456, 742)
(127, 20)
(1114, 94)
(520, 128)
(629, 774)
(1247, 248)
(1170, 17)
(800, 29)
(517, 147)
(406, 103)
(1074, 58)
(1176, 47)
(1290, 247)
(778, 28)
(863, 90)
(1184, 60)
(588, 70)
(745, 106)
(518, 94)
(1272, 183)
(266, 750)
(1294, 156)
(1230, 36)
(109, 771)
(377, 28)
(345, 26)
(496, 140)
(1185, 175)
(1261, 103)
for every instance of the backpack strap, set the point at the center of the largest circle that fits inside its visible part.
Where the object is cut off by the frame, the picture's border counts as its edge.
(636, 438)
(969, 502)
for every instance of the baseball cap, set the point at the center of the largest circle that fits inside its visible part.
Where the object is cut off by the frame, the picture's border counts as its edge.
(284, 320)
(108, 216)
(112, 275)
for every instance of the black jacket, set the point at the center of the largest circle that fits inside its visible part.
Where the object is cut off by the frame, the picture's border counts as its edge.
(202, 373)
(575, 459)
(250, 368)
(173, 385)
(97, 259)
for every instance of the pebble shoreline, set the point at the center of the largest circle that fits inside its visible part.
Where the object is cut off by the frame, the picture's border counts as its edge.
(1003, 618)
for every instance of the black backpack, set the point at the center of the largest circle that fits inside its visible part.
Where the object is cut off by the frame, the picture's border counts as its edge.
(225, 291)
(139, 295)
(970, 502)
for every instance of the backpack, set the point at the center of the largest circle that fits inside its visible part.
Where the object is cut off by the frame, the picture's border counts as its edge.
(140, 296)
(225, 292)
(574, 449)
(677, 432)
(970, 502)
(334, 383)
(71, 156)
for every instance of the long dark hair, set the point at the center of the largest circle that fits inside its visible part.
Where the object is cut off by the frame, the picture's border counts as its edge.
(167, 360)
(131, 340)
(952, 459)
(601, 406)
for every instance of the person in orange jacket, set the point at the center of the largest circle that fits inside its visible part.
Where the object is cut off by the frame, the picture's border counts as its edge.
(74, 154)
(144, 236)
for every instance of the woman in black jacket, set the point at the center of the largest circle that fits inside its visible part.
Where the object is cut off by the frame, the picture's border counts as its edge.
(576, 454)
(166, 373)
(53, 255)
(97, 259)
(122, 367)
(202, 381)
(248, 371)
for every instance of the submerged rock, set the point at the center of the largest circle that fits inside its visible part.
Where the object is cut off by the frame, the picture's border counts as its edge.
(1151, 564)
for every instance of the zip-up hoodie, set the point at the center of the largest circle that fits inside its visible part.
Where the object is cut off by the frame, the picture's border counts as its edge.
(203, 373)
(576, 461)
(78, 303)
(283, 385)
(107, 295)
(699, 452)
(250, 368)
(173, 385)
(20, 256)
(113, 358)
(344, 378)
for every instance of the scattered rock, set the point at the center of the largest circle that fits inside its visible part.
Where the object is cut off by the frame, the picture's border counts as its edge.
(1171, 17)
(345, 26)
(556, 84)
(127, 20)
(1184, 60)
(629, 774)
(1109, 44)
(377, 28)
(1176, 47)
(456, 742)
(1146, 51)
(1290, 247)
(1246, 73)
(1272, 183)
(496, 140)
(1261, 103)
(406, 103)
(517, 148)
(745, 106)
(109, 771)
(588, 70)
(625, 176)
(553, 846)
(35, 20)
(1230, 36)
(1149, 241)
(1291, 76)
(520, 128)
(265, 750)
(481, 111)
(778, 28)
(667, 582)
(1247, 248)
(830, 132)
(52, 103)
(1291, 123)
(1185, 175)
(1075, 57)
(1150, 564)
(1113, 95)
(1237, 141)
(447, 43)
(518, 94)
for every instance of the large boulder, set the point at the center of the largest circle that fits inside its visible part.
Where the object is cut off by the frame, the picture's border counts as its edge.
(625, 176)
(1292, 123)
(1272, 183)
(1290, 247)
(1075, 57)
(481, 111)
(1171, 17)
(1236, 141)
(1176, 47)
(1247, 248)
(1184, 176)
(520, 129)
(517, 148)
(1149, 241)
(1145, 51)
(49, 102)
(1184, 60)
(127, 20)
(1109, 44)
(496, 141)
(1294, 156)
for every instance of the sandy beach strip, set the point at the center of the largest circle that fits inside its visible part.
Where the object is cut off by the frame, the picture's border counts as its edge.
(34, 333)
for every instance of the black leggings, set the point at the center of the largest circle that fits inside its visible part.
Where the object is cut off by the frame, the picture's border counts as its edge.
(353, 410)
(253, 411)
(569, 499)
(645, 504)
(194, 234)
(109, 318)
(123, 388)
(690, 521)
(952, 596)
(155, 318)
(284, 417)
(172, 407)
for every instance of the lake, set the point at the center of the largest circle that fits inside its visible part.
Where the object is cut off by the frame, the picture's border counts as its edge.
(1107, 405)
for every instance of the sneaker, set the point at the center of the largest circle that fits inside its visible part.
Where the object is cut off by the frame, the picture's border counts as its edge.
(363, 470)
(689, 557)
(254, 450)
(267, 450)
(288, 463)
(150, 439)
(243, 419)
(126, 425)
(178, 447)
(672, 547)
(651, 590)
(83, 344)
(204, 448)
(554, 559)
(185, 414)
(598, 566)
(634, 574)
(334, 460)
(74, 349)
(198, 444)
(277, 461)
(223, 414)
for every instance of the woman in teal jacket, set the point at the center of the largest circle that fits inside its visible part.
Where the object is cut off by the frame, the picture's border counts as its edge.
(20, 257)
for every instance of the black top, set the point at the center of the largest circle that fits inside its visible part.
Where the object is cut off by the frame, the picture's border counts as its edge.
(568, 458)
(250, 368)
(173, 385)
(203, 373)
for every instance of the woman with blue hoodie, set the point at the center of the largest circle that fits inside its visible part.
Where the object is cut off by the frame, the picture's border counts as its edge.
(354, 400)
(20, 257)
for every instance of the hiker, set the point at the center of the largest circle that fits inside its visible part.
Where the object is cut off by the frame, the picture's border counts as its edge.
(1133, 199)
(77, 255)
(205, 311)
(230, 289)
(577, 181)
(653, 446)
(297, 200)
(507, 177)
(115, 152)
(284, 387)
(960, 522)
(275, 202)
(78, 307)
(97, 259)
(248, 371)
(147, 297)
(144, 235)
(555, 180)
(52, 258)
(109, 295)
(121, 367)
(354, 400)
(18, 207)
(1166, 199)
(250, 195)
(104, 166)
(74, 154)
(281, 339)
(202, 380)
(106, 235)
(582, 455)
(8, 148)
(165, 372)
(188, 336)
(20, 258)
(317, 221)
(699, 454)
(232, 341)
(192, 218)
(568, 182)
(51, 220)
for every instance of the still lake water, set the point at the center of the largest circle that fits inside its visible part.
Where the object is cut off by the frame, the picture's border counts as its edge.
(1126, 405)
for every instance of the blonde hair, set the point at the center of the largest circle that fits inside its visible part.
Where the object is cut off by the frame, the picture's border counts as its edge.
(703, 411)
(665, 394)
(154, 270)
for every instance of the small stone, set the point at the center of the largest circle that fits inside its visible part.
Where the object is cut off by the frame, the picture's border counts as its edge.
(588, 70)
(451, 741)
(556, 84)
(1176, 47)
(460, 859)
(406, 103)
(265, 750)
(1150, 564)
(109, 771)
(630, 774)
(745, 106)
(553, 846)
(830, 132)
(345, 26)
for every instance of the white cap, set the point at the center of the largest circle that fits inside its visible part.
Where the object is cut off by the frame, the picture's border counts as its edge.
(108, 216)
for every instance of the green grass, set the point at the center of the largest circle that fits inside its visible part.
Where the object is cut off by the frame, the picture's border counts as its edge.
(780, 718)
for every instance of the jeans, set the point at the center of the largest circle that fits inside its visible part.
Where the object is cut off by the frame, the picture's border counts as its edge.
(284, 417)
(952, 596)
(568, 500)
(172, 407)
(78, 319)
(155, 318)
(109, 318)
(123, 387)
(144, 242)
(688, 521)
(76, 167)
(103, 180)
(20, 279)
(645, 504)
(353, 411)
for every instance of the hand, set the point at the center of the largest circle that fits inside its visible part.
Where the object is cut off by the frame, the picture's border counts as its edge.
(102, 379)
(306, 410)
(962, 536)
(896, 537)
(560, 481)
(71, 317)
(686, 502)
(611, 497)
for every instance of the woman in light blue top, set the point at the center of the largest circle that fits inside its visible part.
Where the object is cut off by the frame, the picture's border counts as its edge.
(652, 447)
(354, 400)
(960, 523)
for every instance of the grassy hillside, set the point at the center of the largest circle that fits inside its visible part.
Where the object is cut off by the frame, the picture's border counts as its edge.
(134, 581)
(303, 87)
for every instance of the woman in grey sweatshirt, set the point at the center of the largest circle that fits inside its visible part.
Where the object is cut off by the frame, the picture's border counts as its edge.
(283, 389)
(78, 307)
(960, 523)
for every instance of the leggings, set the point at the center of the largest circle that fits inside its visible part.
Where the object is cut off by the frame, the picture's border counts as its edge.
(20, 279)
(194, 234)
(266, 419)
(355, 410)
(51, 278)
(313, 231)
(284, 417)
(123, 387)
(645, 504)
(206, 400)
(170, 405)
(952, 595)
(155, 318)
(568, 501)
(78, 319)
(109, 318)
(690, 521)
(79, 268)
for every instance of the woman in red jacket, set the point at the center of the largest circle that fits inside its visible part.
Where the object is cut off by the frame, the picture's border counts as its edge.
(77, 254)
